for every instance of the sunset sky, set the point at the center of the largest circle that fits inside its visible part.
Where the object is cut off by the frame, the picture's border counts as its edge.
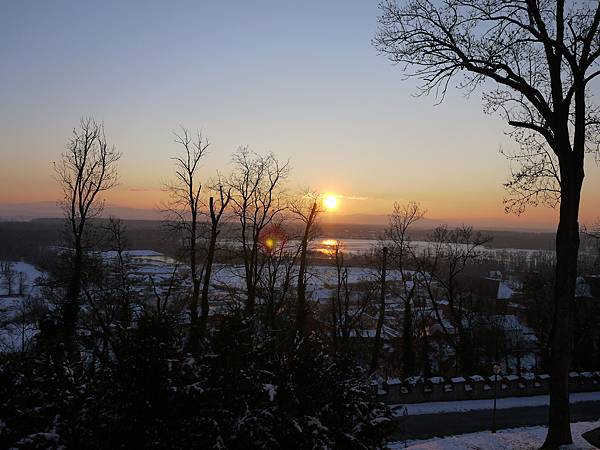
(300, 79)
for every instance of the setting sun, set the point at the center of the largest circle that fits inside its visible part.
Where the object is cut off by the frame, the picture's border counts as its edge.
(330, 201)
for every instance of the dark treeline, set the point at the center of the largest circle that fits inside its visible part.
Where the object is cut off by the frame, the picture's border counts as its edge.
(28, 240)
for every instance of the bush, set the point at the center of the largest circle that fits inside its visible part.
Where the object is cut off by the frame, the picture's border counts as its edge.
(241, 391)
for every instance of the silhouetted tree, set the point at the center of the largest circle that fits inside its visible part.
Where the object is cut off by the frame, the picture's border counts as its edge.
(349, 302)
(256, 189)
(542, 56)
(276, 280)
(402, 256)
(307, 208)
(8, 275)
(22, 284)
(537, 287)
(121, 269)
(217, 204)
(86, 169)
(184, 211)
(441, 268)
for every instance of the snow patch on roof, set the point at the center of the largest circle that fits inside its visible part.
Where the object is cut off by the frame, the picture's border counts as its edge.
(505, 292)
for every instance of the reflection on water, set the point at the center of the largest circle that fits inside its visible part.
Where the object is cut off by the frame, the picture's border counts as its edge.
(324, 245)
(327, 246)
(156, 258)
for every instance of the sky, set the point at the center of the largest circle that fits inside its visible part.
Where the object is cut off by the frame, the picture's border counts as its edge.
(299, 79)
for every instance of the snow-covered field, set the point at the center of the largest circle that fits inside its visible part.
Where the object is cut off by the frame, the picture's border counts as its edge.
(31, 275)
(529, 438)
(14, 333)
(502, 403)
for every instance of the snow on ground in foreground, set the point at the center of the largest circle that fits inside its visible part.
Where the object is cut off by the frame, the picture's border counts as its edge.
(31, 275)
(502, 403)
(529, 438)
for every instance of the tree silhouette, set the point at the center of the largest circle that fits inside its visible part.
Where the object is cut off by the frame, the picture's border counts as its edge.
(256, 197)
(541, 56)
(87, 168)
(402, 255)
(183, 210)
(306, 208)
(217, 204)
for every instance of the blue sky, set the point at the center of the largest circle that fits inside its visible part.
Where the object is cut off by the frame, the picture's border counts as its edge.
(300, 79)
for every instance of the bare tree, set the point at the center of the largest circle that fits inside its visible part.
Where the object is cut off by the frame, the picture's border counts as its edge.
(256, 188)
(402, 255)
(109, 295)
(8, 274)
(86, 169)
(121, 269)
(20, 322)
(541, 56)
(217, 204)
(281, 255)
(184, 210)
(441, 269)
(163, 290)
(535, 176)
(307, 209)
(349, 303)
(22, 284)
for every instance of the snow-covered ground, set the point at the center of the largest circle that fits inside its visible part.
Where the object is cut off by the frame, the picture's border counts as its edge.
(529, 438)
(15, 332)
(501, 403)
(30, 273)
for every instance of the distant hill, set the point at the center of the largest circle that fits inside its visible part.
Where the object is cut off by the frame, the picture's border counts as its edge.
(50, 210)
(367, 223)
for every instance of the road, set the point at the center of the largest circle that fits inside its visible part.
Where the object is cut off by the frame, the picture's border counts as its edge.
(445, 424)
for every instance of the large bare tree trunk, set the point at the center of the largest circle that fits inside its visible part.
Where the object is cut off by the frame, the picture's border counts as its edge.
(301, 308)
(87, 169)
(207, 274)
(184, 209)
(251, 276)
(567, 247)
(194, 323)
(250, 289)
(194, 274)
(210, 256)
(71, 306)
(301, 300)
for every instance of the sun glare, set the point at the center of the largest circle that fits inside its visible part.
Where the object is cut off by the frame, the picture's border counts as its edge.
(330, 201)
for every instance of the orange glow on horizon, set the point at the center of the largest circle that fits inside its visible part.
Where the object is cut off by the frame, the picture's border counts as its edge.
(482, 209)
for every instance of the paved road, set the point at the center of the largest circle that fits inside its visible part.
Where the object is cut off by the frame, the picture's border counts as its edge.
(446, 424)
